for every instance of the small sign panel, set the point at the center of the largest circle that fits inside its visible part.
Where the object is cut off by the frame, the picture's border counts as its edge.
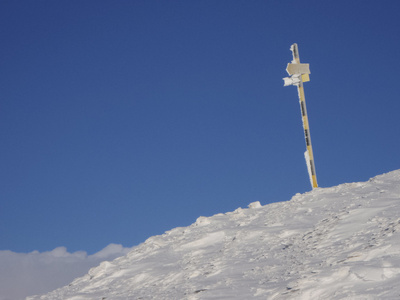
(298, 69)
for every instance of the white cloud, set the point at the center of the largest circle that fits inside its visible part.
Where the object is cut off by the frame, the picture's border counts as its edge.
(26, 274)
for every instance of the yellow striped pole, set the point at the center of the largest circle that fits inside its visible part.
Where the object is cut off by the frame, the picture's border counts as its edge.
(299, 74)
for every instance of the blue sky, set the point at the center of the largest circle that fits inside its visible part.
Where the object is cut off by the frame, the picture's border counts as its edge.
(120, 120)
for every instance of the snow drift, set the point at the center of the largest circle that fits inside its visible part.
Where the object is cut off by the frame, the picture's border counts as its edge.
(331, 243)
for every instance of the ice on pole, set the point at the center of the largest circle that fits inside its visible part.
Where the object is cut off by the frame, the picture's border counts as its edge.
(299, 73)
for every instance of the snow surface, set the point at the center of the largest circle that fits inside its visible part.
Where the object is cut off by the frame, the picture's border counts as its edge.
(332, 243)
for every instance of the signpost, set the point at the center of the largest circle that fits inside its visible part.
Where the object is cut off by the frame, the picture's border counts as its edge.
(299, 73)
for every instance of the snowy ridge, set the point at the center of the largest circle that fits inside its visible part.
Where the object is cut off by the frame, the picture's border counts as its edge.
(332, 243)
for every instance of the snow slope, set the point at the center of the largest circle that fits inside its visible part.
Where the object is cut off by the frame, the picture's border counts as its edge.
(332, 243)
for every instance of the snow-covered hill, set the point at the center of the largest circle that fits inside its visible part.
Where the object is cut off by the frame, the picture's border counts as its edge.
(332, 243)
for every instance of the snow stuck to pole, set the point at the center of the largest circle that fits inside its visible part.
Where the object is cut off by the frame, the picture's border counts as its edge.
(307, 157)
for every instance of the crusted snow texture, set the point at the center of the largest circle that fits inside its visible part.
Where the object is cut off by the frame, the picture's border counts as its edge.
(332, 243)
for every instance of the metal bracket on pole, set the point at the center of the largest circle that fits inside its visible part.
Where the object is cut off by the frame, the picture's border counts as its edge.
(299, 73)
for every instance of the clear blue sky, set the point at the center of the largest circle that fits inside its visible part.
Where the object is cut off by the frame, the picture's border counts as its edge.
(120, 120)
